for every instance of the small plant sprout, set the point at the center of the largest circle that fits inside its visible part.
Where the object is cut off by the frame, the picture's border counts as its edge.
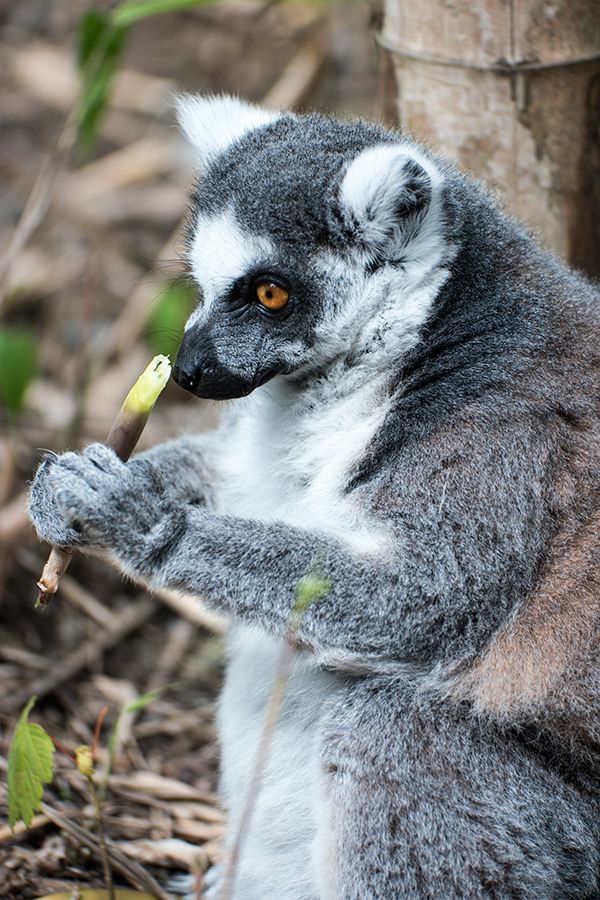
(31, 765)
(122, 438)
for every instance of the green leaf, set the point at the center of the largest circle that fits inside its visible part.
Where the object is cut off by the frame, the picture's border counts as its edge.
(100, 42)
(150, 697)
(18, 364)
(100, 45)
(133, 11)
(30, 763)
(165, 324)
(90, 32)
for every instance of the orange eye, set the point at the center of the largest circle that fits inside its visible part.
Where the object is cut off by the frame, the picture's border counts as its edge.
(272, 296)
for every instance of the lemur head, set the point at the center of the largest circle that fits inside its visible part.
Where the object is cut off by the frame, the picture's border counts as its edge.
(310, 239)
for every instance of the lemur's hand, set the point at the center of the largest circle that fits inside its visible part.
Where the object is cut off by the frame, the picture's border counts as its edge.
(93, 500)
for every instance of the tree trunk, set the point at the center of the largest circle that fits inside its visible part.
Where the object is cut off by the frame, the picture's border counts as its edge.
(510, 89)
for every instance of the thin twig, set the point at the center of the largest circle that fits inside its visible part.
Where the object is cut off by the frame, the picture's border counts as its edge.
(274, 704)
(104, 852)
(73, 592)
(313, 586)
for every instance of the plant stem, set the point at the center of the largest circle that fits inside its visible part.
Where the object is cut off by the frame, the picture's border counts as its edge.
(273, 711)
(108, 880)
(313, 586)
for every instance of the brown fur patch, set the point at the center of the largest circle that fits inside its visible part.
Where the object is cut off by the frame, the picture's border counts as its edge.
(539, 664)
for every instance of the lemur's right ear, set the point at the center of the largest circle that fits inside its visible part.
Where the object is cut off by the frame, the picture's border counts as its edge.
(385, 196)
(212, 124)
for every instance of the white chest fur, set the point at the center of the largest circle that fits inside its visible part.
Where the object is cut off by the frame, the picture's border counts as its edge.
(287, 457)
(289, 453)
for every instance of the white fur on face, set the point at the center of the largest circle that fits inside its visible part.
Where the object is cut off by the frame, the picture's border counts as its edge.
(220, 253)
(383, 311)
(212, 124)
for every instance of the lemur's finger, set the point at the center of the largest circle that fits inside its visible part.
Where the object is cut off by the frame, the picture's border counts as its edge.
(78, 507)
(97, 466)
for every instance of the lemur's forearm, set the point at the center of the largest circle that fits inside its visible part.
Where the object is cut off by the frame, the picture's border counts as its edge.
(384, 605)
(393, 603)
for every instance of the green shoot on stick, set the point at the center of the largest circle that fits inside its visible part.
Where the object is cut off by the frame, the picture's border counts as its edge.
(122, 438)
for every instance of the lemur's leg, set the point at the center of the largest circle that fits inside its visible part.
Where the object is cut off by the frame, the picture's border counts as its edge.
(426, 802)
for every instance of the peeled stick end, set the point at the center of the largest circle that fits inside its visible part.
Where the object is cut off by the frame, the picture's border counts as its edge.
(137, 407)
(143, 395)
(55, 568)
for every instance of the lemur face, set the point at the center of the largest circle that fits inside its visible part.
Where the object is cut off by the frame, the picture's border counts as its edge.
(296, 232)
(257, 310)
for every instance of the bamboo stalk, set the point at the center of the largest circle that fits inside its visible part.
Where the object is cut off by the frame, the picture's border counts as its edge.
(123, 437)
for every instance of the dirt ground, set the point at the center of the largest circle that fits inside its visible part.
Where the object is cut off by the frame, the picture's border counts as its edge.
(92, 262)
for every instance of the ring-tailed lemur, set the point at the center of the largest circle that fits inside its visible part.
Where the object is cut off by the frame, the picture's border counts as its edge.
(415, 394)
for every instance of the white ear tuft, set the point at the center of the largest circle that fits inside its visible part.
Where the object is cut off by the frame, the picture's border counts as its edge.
(385, 196)
(212, 124)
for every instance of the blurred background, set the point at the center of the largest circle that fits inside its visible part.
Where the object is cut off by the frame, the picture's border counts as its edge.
(92, 200)
(93, 183)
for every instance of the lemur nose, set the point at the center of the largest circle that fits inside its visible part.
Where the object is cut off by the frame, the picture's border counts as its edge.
(189, 382)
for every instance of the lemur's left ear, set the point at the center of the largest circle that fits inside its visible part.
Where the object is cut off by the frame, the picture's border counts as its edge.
(212, 124)
(385, 195)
